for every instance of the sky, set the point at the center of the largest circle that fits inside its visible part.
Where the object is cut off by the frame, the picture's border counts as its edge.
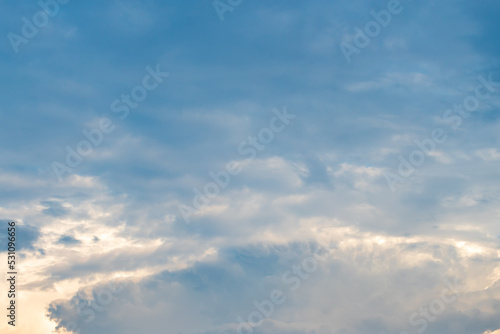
(236, 166)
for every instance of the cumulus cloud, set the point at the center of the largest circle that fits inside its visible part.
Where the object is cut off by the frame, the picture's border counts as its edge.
(363, 282)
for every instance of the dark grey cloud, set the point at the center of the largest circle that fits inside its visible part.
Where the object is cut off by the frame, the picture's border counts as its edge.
(26, 236)
(68, 240)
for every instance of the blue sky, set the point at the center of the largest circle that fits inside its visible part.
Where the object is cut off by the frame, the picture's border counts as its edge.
(344, 175)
